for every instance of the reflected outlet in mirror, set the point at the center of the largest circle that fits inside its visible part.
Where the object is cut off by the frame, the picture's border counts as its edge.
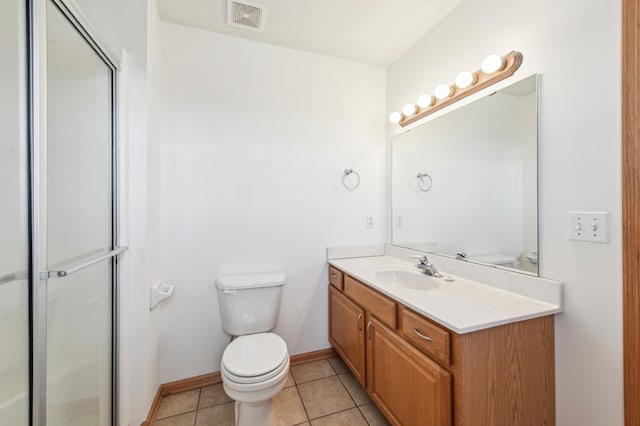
(482, 198)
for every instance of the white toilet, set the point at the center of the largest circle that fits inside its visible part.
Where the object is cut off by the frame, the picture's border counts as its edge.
(255, 364)
(497, 259)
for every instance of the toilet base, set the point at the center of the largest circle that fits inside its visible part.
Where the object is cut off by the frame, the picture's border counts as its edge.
(255, 413)
(254, 400)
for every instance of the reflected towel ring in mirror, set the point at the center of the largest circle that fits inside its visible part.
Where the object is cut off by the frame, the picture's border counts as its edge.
(348, 172)
(424, 181)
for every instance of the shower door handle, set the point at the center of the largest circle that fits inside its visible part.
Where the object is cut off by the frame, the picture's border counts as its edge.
(72, 268)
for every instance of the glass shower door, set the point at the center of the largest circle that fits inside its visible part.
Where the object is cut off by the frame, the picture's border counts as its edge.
(14, 235)
(79, 227)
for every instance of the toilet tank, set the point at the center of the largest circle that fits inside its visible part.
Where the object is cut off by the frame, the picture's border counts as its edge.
(250, 303)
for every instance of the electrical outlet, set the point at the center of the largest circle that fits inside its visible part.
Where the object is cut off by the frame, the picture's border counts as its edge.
(589, 226)
(399, 222)
(369, 221)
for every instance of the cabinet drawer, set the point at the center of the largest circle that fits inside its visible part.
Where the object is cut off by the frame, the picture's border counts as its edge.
(335, 277)
(426, 336)
(375, 303)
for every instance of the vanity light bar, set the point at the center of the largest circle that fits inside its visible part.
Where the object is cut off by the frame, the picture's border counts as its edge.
(494, 68)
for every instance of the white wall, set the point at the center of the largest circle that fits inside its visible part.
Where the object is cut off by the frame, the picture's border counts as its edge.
(575, 46)
(151, 361)
(255, 140)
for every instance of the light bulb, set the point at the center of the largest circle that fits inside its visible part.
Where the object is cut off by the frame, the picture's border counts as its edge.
(425, 101)
(408, 110)
(395, 117)
(492, 63)
(465, 79)
(443, 91)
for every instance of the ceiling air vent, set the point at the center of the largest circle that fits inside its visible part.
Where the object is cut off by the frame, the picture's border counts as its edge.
(249, 16)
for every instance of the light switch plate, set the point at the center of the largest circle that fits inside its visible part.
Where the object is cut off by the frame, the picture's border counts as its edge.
(589, 226)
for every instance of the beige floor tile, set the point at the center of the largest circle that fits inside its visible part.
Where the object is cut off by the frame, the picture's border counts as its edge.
(218, 415)
(373, 415)
(212, 395)
(354, 388)
(188, 419)
(290, 381)
(324, 396)
(338, 365)
(312, 371)
(178, 403)
(344, 418)
(288, 408)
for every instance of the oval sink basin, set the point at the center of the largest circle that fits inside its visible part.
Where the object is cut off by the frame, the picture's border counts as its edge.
(406, 279)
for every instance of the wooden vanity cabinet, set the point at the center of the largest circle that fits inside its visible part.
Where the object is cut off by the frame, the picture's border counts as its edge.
(407, 386)
(420, 373)
(374, 303)
(336, 277)
(504, 376)
(431, 339)
(346, 332)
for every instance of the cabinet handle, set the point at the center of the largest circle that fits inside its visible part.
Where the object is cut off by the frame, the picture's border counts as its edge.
(333, 275)
(422, 336)
(369, 330)
(359, 321)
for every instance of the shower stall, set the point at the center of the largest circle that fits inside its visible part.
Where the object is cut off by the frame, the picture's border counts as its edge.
(58, 218)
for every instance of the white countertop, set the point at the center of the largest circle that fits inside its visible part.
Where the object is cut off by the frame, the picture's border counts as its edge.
(461, 305)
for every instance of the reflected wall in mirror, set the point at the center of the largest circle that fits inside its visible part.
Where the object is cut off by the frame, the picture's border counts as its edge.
(480, 195)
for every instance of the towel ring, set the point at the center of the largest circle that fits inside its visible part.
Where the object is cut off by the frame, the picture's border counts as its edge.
(346, 173)
(424, 181)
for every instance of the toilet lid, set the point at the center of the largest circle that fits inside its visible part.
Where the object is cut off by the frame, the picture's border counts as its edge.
(254, 355)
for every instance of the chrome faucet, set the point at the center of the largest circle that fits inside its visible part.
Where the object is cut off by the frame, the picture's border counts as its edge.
(426, 267)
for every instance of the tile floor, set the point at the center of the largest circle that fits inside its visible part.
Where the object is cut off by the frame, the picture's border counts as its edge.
(319, 393)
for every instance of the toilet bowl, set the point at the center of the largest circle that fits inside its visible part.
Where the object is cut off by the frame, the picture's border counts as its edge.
(254, 369)
(497, 259)
(255, 365)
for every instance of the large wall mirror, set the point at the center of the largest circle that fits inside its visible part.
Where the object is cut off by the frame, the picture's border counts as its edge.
(465, 183)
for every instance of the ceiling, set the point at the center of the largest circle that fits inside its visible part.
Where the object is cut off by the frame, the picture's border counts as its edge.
(375, 32)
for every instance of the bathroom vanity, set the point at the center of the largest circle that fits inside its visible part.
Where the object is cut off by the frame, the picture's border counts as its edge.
(436, 352)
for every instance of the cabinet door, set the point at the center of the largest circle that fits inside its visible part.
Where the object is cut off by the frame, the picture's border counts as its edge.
(407, 386)
(346, 332)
